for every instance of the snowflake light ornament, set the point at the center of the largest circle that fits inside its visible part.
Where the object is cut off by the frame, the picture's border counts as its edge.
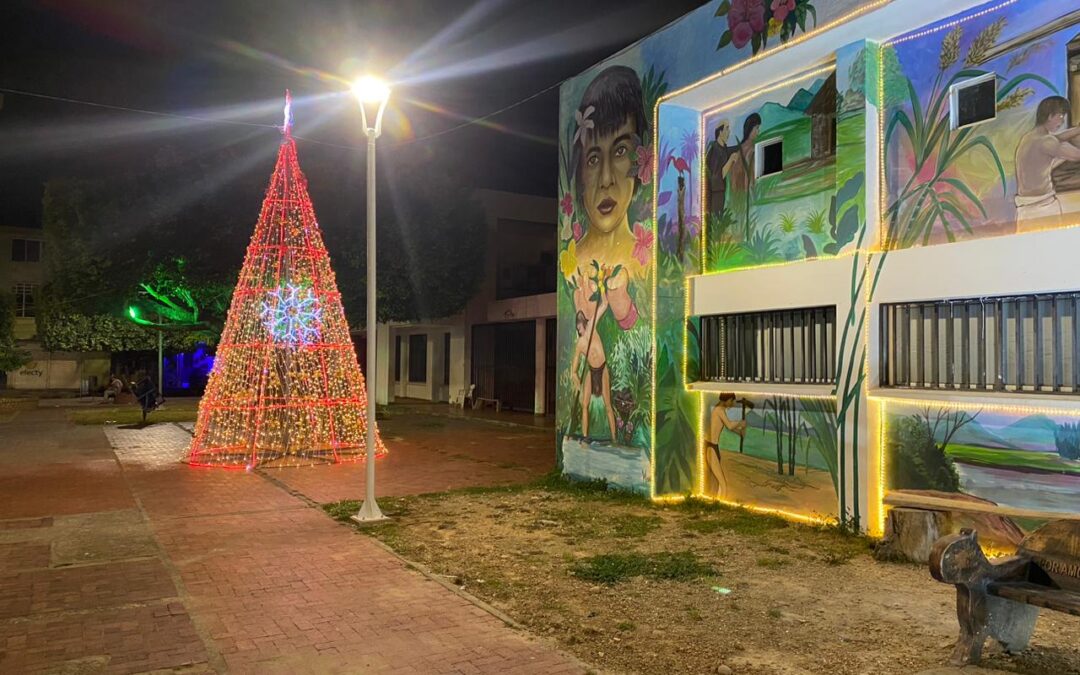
(292, 315)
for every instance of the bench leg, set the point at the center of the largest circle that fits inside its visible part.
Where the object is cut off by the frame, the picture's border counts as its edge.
(971, 612)
(1011, 623)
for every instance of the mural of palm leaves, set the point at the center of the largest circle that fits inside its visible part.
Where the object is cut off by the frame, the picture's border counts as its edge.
(923, 204)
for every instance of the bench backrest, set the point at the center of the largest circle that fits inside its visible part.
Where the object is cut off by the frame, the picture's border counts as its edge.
(1055, 548)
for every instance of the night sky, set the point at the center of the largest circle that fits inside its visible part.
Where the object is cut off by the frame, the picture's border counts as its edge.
(235, 58)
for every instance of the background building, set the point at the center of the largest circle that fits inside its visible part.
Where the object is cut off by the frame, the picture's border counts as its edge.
(503, 342)
(827, 254)
(23, 274)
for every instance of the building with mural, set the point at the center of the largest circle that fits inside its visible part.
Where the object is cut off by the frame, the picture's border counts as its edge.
(817, 258)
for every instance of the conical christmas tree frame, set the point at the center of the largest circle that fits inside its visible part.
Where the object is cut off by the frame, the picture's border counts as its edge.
(286, 388)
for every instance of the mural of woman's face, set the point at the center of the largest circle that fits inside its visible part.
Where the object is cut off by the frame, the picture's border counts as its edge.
(1056, 121)
(607, 182)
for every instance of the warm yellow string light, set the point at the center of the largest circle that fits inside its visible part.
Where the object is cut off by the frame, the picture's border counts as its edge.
(980, 404)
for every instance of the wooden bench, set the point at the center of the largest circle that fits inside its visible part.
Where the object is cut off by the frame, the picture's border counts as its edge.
(1001, 598)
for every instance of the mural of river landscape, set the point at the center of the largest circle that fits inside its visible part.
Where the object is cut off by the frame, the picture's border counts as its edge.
(1015, 172)
(772, 452)
(1021, 461)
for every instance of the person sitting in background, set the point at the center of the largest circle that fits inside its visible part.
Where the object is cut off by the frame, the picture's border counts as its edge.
(112, 391)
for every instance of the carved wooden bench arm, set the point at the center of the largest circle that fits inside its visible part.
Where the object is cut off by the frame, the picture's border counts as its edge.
(957, 559)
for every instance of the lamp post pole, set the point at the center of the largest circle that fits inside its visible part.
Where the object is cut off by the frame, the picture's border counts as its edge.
(370, 93)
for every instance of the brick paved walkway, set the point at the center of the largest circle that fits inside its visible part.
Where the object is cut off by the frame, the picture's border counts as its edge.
(132, 562)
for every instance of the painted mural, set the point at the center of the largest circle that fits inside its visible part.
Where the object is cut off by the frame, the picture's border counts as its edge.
(1021, 461)
(631, 230)
(756, 22)
(1017, 171)
(605, 262)
(799, 212)
(772, 452)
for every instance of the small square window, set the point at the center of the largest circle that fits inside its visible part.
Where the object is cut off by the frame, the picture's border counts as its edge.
(25, 250)
(769, 157)
(973, 101)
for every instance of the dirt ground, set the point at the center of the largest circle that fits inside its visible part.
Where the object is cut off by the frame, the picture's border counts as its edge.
(693, 588)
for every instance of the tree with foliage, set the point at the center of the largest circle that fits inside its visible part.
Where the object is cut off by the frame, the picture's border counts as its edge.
(11, 357)
(917, 446)
(431, 248)
(1067, 440)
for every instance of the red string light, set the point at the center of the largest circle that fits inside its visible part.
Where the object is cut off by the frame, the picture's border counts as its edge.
(283, 402)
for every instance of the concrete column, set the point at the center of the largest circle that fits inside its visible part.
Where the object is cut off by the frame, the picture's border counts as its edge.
(541, 367)
(433, 361)
(384, 373)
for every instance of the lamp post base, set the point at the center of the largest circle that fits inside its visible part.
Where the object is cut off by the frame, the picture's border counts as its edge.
(369, 513)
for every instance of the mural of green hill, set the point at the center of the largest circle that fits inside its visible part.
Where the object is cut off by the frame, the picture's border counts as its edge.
(1034, 432)
(774, 115)
(974, 433)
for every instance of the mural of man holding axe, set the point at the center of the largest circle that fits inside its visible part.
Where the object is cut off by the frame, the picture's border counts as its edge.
(715, 480)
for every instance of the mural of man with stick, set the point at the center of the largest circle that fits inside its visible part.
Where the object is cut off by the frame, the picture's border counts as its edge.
(715, 480)
(1037, 154)
(608, 259)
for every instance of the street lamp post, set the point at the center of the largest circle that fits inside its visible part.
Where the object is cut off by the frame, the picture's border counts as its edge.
(372, 94)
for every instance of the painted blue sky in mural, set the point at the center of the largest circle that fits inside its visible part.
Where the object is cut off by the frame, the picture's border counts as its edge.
(919, 56)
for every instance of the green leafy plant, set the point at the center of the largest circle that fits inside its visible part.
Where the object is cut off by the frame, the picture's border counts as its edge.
(845, 214)
(816, 221)
(788, 222)
(631, 368)
(761, 248)
(11, 356)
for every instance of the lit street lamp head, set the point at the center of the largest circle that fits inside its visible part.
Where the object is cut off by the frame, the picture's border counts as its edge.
(372, 94)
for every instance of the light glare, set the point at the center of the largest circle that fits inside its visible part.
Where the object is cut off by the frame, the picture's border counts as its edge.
(370, 89)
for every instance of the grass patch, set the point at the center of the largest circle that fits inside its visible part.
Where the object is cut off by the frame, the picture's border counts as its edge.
(629, 526)
(626, 626)
(771, 562)
(344, 510)
(708, 518)
(1020, 460)
(774, 613)
(612, 568)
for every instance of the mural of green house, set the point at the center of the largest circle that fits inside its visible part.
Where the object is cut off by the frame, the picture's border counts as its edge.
(795, 234)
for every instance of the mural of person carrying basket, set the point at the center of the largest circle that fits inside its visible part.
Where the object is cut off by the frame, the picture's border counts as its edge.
(715, 480)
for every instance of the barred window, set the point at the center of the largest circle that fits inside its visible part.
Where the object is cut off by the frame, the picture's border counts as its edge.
(794, 346)
(1021, 343)
(24, 299)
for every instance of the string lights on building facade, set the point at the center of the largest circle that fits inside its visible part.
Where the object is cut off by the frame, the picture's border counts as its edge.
(286, 388)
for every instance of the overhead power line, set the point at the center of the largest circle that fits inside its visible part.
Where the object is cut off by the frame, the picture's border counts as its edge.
(212, 120)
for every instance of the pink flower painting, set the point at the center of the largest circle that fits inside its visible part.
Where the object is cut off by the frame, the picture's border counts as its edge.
(567, 204)
(745, 18)
(644, 164)
(643, 241)
(781, 8)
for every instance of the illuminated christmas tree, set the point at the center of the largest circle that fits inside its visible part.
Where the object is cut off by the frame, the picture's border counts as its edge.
(286, 388)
